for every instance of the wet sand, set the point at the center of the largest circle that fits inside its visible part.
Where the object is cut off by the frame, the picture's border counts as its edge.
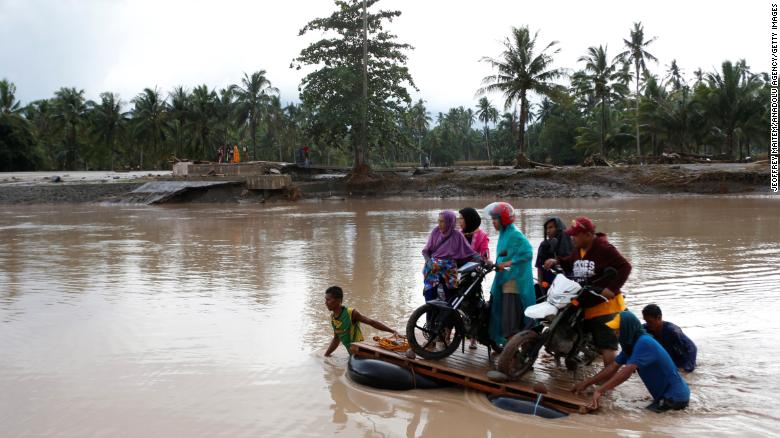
(506, 182)
(201, 320)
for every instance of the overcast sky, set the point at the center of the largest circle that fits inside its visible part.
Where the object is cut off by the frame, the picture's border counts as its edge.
(126, 45)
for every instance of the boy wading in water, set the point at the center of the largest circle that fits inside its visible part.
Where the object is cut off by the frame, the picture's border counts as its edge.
(346, 321)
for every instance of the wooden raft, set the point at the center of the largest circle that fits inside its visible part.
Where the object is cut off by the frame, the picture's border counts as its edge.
(469, 369)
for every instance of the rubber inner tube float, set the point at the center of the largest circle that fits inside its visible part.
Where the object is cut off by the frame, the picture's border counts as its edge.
(525, 407)
(385, 375)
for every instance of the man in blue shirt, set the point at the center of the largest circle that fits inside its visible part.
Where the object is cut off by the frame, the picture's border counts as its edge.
(641, 353)
(680, 347)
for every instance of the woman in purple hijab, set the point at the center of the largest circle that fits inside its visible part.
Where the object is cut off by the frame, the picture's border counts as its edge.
(445, 250)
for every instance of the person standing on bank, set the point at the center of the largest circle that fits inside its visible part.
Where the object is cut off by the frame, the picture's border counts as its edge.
(513, 284)
(592, 255)
(643, 354)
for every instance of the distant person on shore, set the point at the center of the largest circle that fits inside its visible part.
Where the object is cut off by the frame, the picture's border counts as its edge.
(445, 250)
(680, 347)
(513, 285)
(346, 321)
(469, 222)
(220, 153)
(236, 155)
(306, 157)
(555, 244)
(643, 354)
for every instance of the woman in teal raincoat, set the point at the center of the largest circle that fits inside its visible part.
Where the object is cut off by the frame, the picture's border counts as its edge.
(513, 288)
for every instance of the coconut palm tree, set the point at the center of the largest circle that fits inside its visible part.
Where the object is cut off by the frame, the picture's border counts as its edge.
(674, 76)
(8, 102)
(274, 117)
(420, 123)
(203, 112)
(107, 120)
(149, 116)
(70, 110)
(606, 80)
(636, 52)
(252, 98)
(178, 116)
(520, 71)
(730, 100)
(487, 113)
(224, 112)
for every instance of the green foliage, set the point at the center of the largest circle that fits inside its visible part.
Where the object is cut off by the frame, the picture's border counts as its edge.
(334, 91)
(19, 149)
(520, 70)
(721, 112)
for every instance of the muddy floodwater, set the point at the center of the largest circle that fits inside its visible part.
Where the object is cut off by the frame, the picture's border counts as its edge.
(204, 321)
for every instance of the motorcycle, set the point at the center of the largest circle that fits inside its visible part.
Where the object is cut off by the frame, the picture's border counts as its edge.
(557, 326)
(438, 327)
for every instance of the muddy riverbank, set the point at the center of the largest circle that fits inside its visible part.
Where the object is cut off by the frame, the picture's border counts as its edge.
(564, 182)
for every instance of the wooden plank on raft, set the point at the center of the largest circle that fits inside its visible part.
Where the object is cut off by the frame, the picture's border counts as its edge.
(469, 369)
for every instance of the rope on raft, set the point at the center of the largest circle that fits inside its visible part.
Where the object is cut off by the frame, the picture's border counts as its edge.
(397, 343)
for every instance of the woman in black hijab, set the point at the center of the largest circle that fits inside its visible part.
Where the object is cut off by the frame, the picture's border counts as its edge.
(555, 244)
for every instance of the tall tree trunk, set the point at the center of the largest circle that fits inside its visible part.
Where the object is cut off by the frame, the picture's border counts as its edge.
(362, 145)
(603, 127)
(487, 143)
(111, 148)
(522, 160)
(636, 113)
(253, 133)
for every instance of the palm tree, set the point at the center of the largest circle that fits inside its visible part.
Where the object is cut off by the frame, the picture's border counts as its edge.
(70, 112)
(178, 112)
(224, 110)
(487, 113)
(8, 102)
(606, 80)
(520, 71)
(252, 96)
(652, 105)
(41, 114)
(730, 99)
(107, 120)
(420, 121)
(203, 111)
(636, 52)
(675, 76)
(275, 122)
(467, 121)
(699, 75)
(149, 114)
(295, 119)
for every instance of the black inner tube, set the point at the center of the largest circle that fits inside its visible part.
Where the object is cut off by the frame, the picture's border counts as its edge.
(525, 407)
(385, 375)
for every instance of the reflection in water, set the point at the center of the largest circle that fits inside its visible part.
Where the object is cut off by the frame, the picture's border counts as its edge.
(202, 321)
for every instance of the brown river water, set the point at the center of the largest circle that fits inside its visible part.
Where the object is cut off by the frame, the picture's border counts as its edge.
(209, 320)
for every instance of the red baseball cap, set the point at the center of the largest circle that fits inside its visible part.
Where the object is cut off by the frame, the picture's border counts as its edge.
(580, 225)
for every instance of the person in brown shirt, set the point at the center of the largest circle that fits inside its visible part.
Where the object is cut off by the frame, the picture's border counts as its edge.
(591, 256)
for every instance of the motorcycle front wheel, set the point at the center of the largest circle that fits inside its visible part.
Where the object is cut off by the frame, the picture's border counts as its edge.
(517, 359)
(433, 332)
